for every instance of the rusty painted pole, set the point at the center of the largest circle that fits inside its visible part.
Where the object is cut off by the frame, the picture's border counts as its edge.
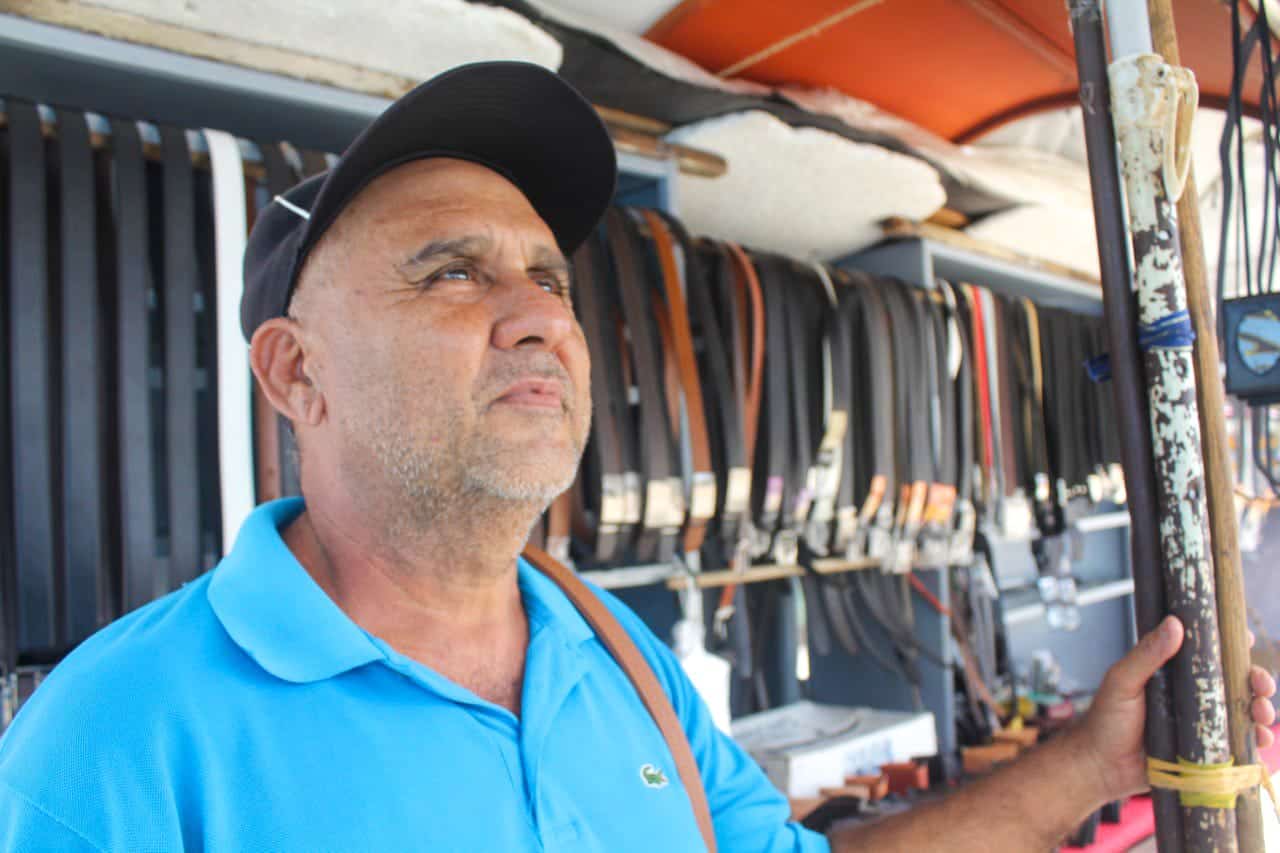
(1228, 573)
(1149, 100)
(1130, 390)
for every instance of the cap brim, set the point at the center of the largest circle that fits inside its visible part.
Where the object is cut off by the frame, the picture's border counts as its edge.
(517, 117)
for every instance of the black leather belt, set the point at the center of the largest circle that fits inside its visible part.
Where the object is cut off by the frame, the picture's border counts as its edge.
(965, 447)
(143, 571)
(773, 442)
(663, 512)
(87, 563)
(878, 489)
(36, 515)
(180, 375)
(604, 474)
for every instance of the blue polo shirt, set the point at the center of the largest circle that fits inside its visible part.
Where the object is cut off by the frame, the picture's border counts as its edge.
(245, 711)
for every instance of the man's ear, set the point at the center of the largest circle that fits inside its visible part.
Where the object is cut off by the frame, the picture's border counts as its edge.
(279, 360)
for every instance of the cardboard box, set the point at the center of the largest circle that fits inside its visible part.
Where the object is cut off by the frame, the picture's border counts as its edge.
(805, 747)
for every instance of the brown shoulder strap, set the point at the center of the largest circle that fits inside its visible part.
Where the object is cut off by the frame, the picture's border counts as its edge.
(624, 651)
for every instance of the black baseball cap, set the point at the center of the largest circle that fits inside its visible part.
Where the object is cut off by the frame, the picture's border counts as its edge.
(516, 118)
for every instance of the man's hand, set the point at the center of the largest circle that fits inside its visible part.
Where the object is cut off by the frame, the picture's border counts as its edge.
(1035, 802)
(1112, 730)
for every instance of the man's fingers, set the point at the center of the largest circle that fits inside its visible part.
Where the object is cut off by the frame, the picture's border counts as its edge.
(1261, 682)
(1131, 672)
(1262, 711)
(1265, 736)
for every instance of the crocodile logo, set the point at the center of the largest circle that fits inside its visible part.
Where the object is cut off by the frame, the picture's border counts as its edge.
(653, 777)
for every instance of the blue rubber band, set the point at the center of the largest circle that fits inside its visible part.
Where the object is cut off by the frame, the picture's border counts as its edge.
(1171, 332)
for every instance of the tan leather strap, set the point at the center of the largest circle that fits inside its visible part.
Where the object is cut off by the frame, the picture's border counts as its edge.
(702, 497)
(755, 337)
(655, 699)
(751, 300)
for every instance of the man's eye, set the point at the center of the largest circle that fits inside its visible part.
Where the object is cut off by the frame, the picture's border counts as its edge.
(453, 274)
(553, 285)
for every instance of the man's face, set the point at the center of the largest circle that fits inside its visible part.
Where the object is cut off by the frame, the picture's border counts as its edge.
(442, 335)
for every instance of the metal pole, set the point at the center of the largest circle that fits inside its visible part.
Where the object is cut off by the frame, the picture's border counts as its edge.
(1147, 100)
(1129, 388)
(1228, 573)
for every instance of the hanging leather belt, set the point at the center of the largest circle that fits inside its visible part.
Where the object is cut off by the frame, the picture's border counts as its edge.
(87, 557)
(722, 368)
(874, 535)
(940, 500)
(609, 491)
(745, 303)
(847, 326)
(739, 300)
(234, 377)
(30, 364)
(700, 498)
(910, 420)
(180, 378)
(828, 467)
(773, 441)
(663, 503)
(961, 549)
(1024, 327)
(142, 568)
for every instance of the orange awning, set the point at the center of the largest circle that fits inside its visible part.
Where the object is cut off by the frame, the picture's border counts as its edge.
(956, 67)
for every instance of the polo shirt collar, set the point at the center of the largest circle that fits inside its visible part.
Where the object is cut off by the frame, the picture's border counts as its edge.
(276, 612)
(546, 605)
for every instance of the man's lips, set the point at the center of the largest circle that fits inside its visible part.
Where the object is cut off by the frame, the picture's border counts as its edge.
(537, 393)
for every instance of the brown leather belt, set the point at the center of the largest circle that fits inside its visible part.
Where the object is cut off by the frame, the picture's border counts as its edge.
(700, 497)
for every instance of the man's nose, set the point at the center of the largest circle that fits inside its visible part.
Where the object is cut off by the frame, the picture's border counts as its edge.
(531, 317)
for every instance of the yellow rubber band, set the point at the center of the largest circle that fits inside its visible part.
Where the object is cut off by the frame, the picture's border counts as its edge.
(1214, 786)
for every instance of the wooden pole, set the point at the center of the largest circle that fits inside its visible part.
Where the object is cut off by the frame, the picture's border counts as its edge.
(1148, 96)
(1133, 420)
(1232, 614)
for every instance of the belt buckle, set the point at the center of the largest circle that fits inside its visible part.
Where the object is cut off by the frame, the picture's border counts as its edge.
(786, 547)
(846, 529)
(961, 545)
(8, 699)
(817, 535)
(905, 554)
(935, 545)
(879, 543)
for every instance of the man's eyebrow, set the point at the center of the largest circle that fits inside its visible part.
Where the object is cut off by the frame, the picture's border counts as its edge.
(457, 247)
(550, 260)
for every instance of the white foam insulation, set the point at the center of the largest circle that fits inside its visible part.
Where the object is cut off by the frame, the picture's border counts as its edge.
(633, 17)
(412, 38)
(651, 55)
(800, 191)
(1016, 174)
(1064, 232)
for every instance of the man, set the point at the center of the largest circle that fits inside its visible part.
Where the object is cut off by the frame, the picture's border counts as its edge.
(376, 669)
